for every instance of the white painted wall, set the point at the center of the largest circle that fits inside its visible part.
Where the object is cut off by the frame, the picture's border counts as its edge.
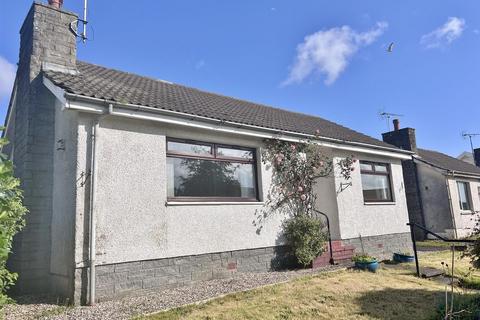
(465, 220)
(366, 219)
(135, 222)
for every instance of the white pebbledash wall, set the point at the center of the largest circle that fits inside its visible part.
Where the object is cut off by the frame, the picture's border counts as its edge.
(135, 222)
(351, 217)
(465, 221)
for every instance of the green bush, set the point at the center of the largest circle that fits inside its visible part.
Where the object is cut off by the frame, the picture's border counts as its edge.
(12, 213)
(305, 237)
(466, 307)
(470, 282)
(363, 258)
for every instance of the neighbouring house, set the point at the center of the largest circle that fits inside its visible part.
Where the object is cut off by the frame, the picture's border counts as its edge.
(472, 158)
(443, 192)
(140, 184)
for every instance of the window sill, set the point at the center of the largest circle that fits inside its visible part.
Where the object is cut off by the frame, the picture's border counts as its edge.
(467, 212)
(387, 203)
(212, 203)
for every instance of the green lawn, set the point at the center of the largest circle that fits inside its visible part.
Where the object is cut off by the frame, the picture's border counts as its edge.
(392, 293)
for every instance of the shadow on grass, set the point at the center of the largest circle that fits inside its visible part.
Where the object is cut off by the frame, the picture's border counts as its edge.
(410, 304)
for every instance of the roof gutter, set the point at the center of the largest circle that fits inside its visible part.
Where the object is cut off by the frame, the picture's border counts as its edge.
(452, 173)
(279, 133)
(143, 112)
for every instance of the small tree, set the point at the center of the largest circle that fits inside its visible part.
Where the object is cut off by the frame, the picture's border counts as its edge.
(296, 168)
(12, 219)
(474, 250)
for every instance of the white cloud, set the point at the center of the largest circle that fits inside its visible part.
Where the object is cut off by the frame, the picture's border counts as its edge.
(328, 52)
(7, 77)
(444, 35)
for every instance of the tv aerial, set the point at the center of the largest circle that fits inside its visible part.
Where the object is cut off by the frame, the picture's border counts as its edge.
(466, 135)
(74, 25)
(384, 115)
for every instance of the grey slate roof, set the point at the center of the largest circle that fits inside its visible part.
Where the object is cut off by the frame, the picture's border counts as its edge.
(446, 162)
(104, 83)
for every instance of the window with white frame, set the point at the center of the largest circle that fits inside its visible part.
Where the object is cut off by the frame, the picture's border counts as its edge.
(376, 182)
(464, 195)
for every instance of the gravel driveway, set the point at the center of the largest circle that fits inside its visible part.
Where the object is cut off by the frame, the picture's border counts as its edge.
(126, 308)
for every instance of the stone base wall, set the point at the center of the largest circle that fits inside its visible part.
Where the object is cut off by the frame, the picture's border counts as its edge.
(139, 277)
(382, 247)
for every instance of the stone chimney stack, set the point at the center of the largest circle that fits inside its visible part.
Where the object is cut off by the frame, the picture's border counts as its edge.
(476, 156)
(402, 138)
(46, 42)
(46, 39)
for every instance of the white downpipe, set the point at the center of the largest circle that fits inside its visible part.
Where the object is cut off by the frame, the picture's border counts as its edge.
(92, 233)
(452, 212)
(92, 216)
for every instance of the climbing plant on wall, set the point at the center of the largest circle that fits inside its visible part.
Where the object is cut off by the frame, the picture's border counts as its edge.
(296, 168)
(12, 219)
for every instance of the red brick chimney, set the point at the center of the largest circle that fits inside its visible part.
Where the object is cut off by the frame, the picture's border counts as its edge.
(56, 3)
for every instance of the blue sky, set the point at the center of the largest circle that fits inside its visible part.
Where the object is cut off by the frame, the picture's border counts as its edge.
(327, 58)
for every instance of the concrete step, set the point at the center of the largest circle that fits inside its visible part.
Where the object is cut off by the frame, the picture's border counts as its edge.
(430, 272)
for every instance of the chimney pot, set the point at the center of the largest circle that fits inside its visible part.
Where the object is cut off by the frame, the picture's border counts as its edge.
(396, 124)
(56, 3)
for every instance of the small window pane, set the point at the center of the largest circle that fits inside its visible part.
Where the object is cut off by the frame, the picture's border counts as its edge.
(234, 153)
(365, 166)
(376, 187)
(381, 168)
(208, 178)
(193, 148)
(463, 195)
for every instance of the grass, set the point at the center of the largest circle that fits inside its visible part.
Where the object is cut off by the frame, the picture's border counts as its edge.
(462, 265)
(435, 244)
(392, 293)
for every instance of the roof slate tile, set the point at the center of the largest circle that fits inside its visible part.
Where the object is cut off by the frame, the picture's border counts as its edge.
(104, 83)
(446, 162)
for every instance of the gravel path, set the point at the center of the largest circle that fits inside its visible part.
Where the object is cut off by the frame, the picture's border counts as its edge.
(126, 308)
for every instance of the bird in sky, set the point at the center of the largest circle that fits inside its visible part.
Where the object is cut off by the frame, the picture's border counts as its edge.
(390, 47)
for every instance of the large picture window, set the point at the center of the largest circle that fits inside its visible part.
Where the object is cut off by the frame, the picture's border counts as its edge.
(198, 171)
(376, 182)
(464, 195)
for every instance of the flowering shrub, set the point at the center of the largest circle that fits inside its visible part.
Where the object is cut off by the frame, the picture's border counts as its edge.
(296, 168)
(12, 214)
(305, 236)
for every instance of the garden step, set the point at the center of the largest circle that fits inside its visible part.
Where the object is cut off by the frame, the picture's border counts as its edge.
(343, 252)
(431, 272)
